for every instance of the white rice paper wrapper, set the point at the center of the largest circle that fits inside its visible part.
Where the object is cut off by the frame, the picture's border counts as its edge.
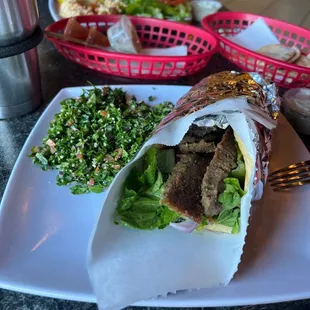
(127, 266)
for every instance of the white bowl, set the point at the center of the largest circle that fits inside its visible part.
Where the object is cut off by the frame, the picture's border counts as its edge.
(202, 8)
(52, 6)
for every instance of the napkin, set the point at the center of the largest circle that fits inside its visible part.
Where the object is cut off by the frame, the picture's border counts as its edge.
(180, 50)
(255, 36)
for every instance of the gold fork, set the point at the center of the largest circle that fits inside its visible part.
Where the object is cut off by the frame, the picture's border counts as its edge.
(290, 176)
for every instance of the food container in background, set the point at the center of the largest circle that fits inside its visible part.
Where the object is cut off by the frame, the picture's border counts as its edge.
(76, 33)
(75, 30)
(296, 107)
(225, 25)
(200, 46)
(97, 38)
(20, 82)
(18, 20)
(123, 37)
(202, 8)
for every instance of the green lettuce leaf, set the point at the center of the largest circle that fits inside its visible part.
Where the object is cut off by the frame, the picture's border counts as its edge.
(157, 188)
(166, 216)
(203, 224)
(239, 171)
(228, 217)
(150, 164)
(236, 228)
(140, 208)
(166, 161)
(230, 199)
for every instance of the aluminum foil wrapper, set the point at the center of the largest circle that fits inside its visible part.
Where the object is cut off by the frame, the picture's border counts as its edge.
(230, 84)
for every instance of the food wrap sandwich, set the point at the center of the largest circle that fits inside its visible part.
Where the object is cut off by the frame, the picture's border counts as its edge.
(175, 218)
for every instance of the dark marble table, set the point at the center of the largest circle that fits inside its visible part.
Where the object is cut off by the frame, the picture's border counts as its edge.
(58, 73)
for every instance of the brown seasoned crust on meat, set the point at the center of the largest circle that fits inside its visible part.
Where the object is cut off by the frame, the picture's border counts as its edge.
(189, 139)
(199, 140)
(197, 133)
(197, 147)
(183, 188)
(222, 163)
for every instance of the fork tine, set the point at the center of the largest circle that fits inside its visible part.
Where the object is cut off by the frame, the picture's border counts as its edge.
(289, 179)
(288, 173)
(282, 187)
(290, 167)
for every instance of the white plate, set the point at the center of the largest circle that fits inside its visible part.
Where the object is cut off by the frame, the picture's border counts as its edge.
(44, 229)
(52, 6)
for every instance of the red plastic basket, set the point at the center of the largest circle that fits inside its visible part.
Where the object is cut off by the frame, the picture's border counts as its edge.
(152, 33)
(286, 75)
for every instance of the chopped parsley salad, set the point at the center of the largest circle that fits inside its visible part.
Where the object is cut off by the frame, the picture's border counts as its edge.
(94, 136)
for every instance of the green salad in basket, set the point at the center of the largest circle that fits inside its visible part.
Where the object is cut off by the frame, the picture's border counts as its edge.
(178, 10)
(159, 9)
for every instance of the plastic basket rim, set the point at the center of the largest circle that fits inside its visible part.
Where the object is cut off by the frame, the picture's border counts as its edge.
(205, 24)
(214, 44)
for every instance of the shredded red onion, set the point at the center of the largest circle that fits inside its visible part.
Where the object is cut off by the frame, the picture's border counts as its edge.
(187, 226)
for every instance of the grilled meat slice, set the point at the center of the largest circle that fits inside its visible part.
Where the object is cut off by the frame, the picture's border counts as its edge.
(206, 133)
(198, 140)
(222, 163)
(197, 147)
(183, 188)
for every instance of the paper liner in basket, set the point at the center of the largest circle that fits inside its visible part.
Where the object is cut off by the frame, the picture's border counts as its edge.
(126, 265)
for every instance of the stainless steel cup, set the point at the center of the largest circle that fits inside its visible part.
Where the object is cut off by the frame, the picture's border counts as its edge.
(18, 20)
(20, 84)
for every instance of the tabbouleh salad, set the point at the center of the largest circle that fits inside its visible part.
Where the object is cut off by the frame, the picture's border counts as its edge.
(94, 136)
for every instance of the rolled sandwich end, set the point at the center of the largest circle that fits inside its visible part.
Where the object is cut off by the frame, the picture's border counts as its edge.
(203, 187)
